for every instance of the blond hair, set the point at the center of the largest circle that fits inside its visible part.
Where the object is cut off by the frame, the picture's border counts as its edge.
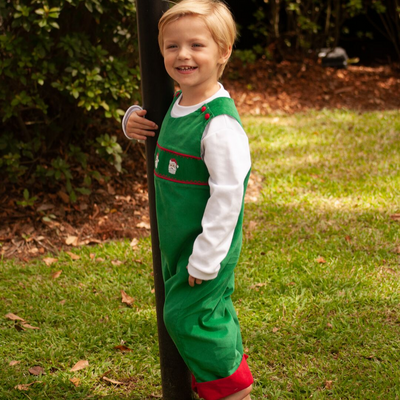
(216, 16)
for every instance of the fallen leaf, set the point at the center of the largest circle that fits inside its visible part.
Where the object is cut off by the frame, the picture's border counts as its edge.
(122, 348)
(328, 384)
(12, 363)
(92, 256)
(25, 386)
(321, 260)
(252, 225)
(50, 260)
(13, 317)
(143, 224)
(27, 326)
(80, 365)
(134, 243)
(73, 255)
(348, 239)
(75, 381)
(395, 217)
(56, 274)
(257, 285)
(99, 259)
(71, 241)
(275, 329)
(329, 325)
(127, 299)
(156, 396)
(36, 371)
(112, 381)
(63, 196)
(116, 262)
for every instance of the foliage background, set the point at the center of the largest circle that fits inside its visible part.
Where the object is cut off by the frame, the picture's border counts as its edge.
(68, 69)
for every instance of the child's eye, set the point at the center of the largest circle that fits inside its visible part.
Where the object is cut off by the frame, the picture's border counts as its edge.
(197, 45)
(171, 46)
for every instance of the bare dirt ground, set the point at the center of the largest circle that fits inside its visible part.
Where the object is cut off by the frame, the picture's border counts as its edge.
(118, 208)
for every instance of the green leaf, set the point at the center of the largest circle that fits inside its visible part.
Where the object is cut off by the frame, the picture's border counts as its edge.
(54, 25)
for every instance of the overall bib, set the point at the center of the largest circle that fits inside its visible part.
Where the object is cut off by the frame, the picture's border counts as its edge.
(201, 320)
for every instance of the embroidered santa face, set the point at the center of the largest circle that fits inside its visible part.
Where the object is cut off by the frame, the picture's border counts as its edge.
(173, 166)
(156, 161)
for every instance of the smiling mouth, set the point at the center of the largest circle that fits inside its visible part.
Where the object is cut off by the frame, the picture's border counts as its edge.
(186, 68)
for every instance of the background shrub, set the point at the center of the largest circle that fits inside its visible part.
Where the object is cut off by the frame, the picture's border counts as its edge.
(67, 69)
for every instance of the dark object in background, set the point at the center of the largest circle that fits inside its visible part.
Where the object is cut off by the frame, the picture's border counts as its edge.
(336, 58)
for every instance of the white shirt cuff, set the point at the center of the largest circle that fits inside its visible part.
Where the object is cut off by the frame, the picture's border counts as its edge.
(128, 113)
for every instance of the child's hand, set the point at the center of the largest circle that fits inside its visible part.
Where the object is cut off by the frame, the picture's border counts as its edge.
(193, 281)
(138, 127)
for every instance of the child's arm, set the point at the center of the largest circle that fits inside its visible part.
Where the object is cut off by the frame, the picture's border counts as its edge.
(135, 126)
(227, 157)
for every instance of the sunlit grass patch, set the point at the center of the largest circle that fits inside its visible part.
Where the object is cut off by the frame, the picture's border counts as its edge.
(317, 289)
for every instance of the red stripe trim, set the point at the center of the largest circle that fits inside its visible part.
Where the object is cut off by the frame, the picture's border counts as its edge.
(179, 154)
(177, 181)
(214, 390)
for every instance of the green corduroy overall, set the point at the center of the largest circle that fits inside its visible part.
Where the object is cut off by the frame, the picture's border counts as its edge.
(201, 320)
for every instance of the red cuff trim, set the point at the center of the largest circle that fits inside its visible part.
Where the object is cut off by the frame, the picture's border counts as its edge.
(215, 390)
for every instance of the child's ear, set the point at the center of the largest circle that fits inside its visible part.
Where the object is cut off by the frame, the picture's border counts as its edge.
(225, 55)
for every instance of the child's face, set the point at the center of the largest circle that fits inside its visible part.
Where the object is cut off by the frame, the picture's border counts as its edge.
(191, 56)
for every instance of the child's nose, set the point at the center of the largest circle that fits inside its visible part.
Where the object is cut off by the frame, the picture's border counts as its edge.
(183, 53)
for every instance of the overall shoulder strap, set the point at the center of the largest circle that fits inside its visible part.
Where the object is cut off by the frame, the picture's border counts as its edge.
(223, 106)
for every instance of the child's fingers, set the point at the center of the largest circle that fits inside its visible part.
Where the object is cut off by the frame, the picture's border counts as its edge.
(139, 134)
(193, 281)
(137, 120)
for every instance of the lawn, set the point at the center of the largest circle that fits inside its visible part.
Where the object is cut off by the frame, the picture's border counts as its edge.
(317, 288)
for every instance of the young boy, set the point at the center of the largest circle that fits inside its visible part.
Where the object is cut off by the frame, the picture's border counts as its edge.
(202, 164)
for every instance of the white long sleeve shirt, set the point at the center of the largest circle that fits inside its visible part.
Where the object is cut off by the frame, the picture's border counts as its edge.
(226, 153)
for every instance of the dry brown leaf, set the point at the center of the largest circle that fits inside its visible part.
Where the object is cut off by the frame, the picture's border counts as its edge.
(37, 370)
(348, 239)
(73, 255)
(71, 241)
(25, 386)
(116, 262)
(156, 396)
(63, 196)
(275, 329)
(127, 299)
(56, 274)
(395, 217)
(321, 260)
(252, 225)
(27, 326)
(112, 381)
(13, 317)
(92, 256)
(329, 325)
(80, 365)
(143, 224)
(75, 381)
(134, 243)
(257, 285)
(12, 363)
(62, 302)
(328, 385)
(122, 348)
(50, 260)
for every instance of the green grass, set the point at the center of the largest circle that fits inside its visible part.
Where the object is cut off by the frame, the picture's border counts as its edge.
(330, 182)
